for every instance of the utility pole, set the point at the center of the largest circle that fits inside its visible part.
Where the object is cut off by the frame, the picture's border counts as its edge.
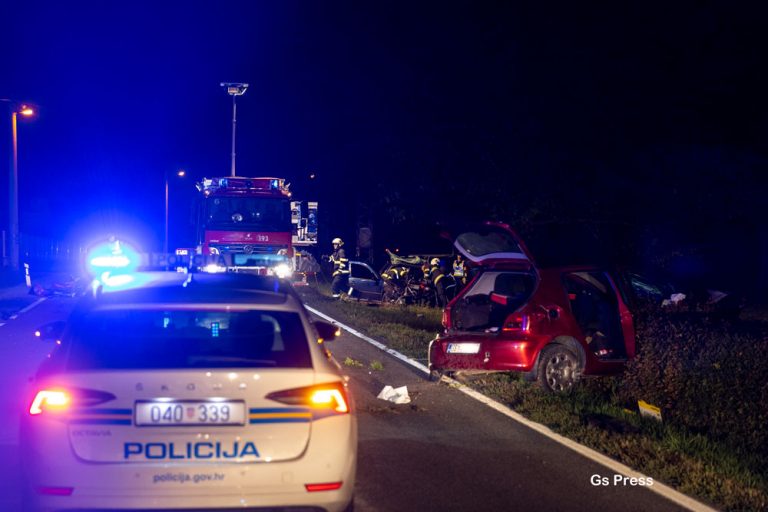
(234, 89)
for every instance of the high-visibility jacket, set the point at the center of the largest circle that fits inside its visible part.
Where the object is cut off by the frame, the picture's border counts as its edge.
(459, 270)
(340, 262)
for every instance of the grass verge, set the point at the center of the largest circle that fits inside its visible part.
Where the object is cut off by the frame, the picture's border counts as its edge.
(709, 470)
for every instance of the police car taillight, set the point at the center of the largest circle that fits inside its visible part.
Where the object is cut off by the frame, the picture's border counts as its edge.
(331, 396)
(50, 400)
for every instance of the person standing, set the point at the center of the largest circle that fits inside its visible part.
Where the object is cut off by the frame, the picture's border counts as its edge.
(438, 282)
(460, 271)
(340, 274)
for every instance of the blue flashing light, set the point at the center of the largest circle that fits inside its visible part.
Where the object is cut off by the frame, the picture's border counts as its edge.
(273, 184)
(127, 281)
(112, 256)
(215, 329)
(118, 261)
(118, 281)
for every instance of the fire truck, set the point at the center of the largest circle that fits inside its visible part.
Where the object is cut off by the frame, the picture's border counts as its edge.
(253, 225)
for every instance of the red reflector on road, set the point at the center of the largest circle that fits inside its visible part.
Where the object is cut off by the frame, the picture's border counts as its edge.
(332, 486)
(55, 491)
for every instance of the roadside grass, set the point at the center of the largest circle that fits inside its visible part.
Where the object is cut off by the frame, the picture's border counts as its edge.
(407, 329)
(594, 415)
(354, 363)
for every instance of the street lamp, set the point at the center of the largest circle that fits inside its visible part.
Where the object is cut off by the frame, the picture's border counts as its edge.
(181, 173)
(234, 89)
(13, 182)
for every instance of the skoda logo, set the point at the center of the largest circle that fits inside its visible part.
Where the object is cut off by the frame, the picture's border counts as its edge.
(248, 249)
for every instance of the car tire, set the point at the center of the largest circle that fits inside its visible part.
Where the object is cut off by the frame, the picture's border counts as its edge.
(559, 369)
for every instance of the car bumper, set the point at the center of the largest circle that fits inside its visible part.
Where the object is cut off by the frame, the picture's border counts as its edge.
(330, 456)
(480, 353)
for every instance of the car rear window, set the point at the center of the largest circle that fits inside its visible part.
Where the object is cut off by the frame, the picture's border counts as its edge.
(182, 338)
(483, 243)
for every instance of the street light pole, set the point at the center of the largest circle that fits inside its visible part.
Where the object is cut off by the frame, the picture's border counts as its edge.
(13, 198)
(13, 184)
(180, 173)
(234, 89)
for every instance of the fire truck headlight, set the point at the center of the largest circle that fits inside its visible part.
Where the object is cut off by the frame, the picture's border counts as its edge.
(283, 270)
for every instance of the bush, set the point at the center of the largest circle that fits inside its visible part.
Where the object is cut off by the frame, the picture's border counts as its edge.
(709, 377)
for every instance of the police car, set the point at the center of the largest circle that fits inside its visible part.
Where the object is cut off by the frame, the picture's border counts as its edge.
(189, 392)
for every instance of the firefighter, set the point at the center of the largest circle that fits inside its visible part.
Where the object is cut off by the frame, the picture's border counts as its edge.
(340, 268)
(438, 282)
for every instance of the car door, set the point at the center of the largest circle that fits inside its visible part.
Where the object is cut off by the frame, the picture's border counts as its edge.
(364, 282)
(601, 313)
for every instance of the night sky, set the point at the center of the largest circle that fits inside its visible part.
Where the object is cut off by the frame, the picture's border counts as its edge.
(635, 131)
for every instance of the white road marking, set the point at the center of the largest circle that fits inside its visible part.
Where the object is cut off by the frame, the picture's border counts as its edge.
(657, 487)
(24, 310)
(373, 342)
(38, 301)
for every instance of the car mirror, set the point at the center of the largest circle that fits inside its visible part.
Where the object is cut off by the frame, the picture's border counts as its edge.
(326, 331)
(51, 331)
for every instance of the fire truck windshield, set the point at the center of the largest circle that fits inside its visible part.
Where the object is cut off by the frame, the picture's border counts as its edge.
(248, 214)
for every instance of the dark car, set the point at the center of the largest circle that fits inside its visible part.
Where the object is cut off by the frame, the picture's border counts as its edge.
(555, 324)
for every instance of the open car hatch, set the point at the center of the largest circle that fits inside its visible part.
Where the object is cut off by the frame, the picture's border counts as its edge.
(493, 243)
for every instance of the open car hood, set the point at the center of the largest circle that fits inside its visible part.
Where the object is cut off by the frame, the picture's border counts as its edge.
(492, 244)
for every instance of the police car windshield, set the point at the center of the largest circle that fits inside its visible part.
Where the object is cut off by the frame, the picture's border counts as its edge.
(247, 213)
(183, 339)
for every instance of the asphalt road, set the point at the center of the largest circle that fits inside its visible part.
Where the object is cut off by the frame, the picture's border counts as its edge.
(448, 452)
(444, 451)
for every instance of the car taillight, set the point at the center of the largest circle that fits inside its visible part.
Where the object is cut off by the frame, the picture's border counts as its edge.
(517, 322)
(446, 318)
(331, 397)
(330, 486)
(55, 400)
(60, 399)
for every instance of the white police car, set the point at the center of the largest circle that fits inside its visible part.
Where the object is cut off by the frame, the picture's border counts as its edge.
(191, 392)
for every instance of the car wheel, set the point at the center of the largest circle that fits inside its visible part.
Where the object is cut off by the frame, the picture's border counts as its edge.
(559, 369)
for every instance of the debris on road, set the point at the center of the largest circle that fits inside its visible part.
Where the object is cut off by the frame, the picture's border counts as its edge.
(395, 395)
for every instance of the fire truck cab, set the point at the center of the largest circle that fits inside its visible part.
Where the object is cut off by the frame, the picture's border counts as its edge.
(252, 225)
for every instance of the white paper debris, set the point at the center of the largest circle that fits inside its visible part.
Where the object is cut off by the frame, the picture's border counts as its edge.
(396, 395)
(673, 299)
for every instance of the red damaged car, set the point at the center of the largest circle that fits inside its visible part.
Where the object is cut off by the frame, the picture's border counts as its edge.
(555, 324)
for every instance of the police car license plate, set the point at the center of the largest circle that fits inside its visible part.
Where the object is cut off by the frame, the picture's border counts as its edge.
(190, 413)
(463, 348)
